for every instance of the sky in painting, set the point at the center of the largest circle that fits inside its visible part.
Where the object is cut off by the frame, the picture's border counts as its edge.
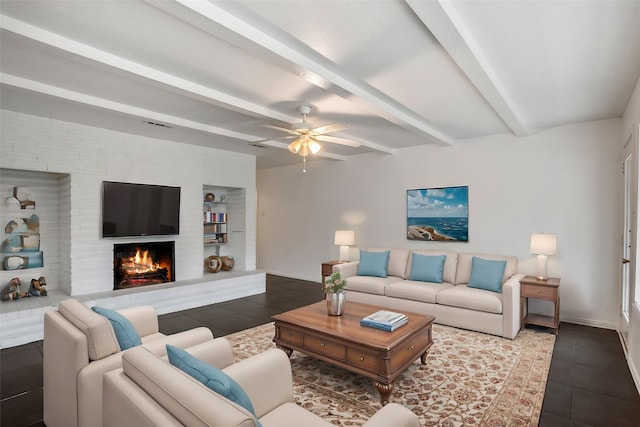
(438, 202)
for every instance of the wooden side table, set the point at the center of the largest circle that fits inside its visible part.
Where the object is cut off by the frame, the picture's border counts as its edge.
(327, 270)
(547, 290)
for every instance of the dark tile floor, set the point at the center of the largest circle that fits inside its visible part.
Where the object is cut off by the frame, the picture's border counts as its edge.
(589, 381)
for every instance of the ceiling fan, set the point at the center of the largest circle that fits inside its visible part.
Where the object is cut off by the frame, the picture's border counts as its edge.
(307, 138)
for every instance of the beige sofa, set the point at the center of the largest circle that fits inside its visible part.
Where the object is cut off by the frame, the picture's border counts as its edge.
(452, 302)
(80, 346)
(148, 391)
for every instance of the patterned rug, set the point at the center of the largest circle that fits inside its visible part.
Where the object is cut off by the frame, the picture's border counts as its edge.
(470, 379)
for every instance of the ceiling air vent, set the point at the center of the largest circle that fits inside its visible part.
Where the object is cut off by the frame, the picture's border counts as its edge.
(162, 125)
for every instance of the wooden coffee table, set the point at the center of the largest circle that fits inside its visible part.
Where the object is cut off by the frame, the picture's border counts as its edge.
(343, 342)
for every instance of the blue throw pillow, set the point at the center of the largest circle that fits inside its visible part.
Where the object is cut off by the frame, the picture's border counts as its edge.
(210, 376)
(427, 268)
(487, 274)
(373, 263)
(126, 334)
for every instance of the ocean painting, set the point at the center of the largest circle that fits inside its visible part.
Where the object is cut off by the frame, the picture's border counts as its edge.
(438, 214)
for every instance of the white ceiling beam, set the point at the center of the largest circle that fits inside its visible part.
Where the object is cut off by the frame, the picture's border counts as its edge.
(142, 113)
(193, 90)
(441, 18)
(232, 16)
(94, 101)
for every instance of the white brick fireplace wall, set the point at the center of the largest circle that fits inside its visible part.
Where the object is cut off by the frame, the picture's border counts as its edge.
(78, 261)
(87, 155)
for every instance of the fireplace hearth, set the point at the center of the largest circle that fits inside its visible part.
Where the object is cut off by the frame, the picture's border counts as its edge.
(142, 264)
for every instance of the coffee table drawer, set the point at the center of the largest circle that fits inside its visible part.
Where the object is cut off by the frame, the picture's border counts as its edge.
(291, 337)
(324, 347)
(361, 359)
(409, 350)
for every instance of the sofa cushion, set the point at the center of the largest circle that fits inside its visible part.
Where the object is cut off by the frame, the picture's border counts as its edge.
(210, 376)
(101, 339)
(470, 298)
(369, 284)
(487, 274)
(373, 263)
(450, 263)
(427, 268)
(398, 259)
(126, 334)
(465, 260)
(417, 291)
(292, 414)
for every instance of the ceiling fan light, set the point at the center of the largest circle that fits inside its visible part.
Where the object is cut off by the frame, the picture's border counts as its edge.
(314, 147)
(304, 150)
(294, 147)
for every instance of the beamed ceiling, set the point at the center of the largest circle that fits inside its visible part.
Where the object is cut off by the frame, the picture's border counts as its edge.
(396, 74)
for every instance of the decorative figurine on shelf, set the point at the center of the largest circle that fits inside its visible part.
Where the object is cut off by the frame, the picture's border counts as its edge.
(336, 295)
(11, 291)
(38, 287)
(24, 196)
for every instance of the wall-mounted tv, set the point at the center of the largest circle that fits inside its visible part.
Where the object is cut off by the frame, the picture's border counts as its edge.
(139, 209)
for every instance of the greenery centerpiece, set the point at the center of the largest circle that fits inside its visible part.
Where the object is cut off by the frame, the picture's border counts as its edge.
(335, 294)
(334, 284)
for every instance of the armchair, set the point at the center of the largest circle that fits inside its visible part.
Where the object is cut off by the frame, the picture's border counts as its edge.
(80, 346)
(148, 391)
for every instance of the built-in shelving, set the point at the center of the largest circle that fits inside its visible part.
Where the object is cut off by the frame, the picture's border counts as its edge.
(224, 223)
(215, 223)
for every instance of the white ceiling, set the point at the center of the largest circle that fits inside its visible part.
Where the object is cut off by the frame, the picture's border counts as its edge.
(395, 73)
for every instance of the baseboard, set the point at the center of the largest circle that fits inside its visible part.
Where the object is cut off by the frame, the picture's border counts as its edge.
(293, 276)
(589, 322)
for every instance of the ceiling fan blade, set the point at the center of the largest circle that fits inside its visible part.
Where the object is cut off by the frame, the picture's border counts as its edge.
(274, 139)
(281, 129)
(337, 140)
(333, 127)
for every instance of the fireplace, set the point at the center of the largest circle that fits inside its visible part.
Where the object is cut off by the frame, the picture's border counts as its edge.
(141, 264)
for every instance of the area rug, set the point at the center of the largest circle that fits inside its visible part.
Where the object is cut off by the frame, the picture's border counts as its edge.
(470, 379)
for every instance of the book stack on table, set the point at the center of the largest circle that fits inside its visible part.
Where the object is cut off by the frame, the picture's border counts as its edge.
(385, 320)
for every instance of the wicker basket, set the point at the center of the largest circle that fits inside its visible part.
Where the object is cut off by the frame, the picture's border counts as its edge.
(227, 263)
(213, 263)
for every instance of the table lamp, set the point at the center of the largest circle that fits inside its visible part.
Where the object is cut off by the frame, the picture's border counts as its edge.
(542, 245)
(344, 239)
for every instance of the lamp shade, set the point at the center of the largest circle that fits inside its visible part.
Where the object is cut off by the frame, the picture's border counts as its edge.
(345, 238)
(314, 147)
(543, 244)
(294, 147)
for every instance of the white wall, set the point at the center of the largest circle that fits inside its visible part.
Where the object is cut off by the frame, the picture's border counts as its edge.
(631, 115)
(90, 155)
(565, 181)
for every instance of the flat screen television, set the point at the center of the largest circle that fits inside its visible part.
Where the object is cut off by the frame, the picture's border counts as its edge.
(139, 209)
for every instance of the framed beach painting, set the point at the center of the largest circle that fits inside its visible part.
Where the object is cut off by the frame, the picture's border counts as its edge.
(438, 214)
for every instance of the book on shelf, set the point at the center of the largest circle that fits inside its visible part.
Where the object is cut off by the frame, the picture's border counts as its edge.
(215, 217)
(385, 320)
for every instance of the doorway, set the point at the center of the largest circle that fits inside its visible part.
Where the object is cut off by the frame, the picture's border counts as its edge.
(629, 225)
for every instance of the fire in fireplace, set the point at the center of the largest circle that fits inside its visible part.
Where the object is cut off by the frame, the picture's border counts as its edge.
(140, 264)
